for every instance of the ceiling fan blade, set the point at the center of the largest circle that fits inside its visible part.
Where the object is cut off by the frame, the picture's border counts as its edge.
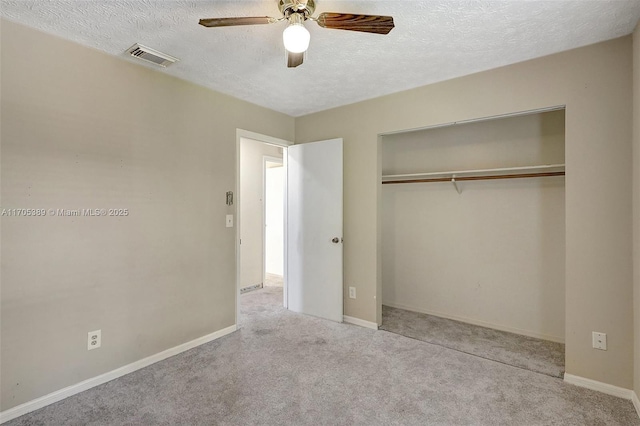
(228, 22)
(365, 23)
(294, 59)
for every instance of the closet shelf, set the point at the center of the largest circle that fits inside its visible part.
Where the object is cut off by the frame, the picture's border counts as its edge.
(482, 174)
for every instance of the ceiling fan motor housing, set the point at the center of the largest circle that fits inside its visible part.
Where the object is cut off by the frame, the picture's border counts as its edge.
(303, 7)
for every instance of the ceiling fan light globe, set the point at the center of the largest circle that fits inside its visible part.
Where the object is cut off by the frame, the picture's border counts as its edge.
(296, 38)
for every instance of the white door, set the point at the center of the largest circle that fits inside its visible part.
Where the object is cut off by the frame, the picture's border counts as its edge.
(314, 229)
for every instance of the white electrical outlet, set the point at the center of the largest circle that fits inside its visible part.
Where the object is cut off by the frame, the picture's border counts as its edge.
(229, 221)
(94, 339)
(352, 292)
(599, 340)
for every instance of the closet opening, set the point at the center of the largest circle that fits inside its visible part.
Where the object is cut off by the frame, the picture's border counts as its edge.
(473, 237)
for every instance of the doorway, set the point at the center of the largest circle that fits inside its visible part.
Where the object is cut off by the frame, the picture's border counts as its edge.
(256, 155)
(312, 228)
(261, 240)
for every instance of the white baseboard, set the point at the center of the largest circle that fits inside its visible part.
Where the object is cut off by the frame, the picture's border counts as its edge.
(599, 386)
(360, 322)
(636, 402)
(61, 394)
(542, 336)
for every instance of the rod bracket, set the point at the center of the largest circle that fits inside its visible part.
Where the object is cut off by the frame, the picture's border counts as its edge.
(455, 184)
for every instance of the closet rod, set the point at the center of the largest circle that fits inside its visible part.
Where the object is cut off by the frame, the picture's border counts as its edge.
(490, 177)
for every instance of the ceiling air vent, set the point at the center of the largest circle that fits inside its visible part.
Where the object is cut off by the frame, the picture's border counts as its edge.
(150, 55)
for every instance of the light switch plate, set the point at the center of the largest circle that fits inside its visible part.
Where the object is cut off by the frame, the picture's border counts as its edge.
(599, 340)
(229, 221)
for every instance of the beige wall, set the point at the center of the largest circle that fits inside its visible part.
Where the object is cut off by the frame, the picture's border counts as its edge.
(636, 200)
(82, 129)
(594, 83)
(492, 255)
(251, 209)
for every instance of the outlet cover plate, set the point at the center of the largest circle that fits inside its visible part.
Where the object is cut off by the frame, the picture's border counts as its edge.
(94, 339)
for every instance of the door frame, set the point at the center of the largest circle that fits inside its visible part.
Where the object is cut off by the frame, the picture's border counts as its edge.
(247, 134)
(268, 159)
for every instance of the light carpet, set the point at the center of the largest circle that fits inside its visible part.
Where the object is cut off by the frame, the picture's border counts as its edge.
(283, 368)
(537, 355)
(273, 280)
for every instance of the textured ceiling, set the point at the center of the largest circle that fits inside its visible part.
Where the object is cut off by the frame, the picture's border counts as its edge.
(432, 41)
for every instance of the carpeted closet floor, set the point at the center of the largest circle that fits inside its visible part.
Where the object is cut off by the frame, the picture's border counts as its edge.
(533, 354)
(283, 368)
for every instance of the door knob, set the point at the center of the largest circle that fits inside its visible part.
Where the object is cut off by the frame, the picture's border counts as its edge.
(335, 240)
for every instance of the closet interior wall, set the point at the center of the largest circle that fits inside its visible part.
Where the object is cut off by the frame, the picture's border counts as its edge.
(492, 255)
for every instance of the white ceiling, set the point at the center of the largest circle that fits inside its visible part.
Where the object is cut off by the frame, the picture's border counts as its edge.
(433, 41)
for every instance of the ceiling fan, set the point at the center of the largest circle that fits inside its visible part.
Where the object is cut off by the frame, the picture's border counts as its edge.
(296, 37)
